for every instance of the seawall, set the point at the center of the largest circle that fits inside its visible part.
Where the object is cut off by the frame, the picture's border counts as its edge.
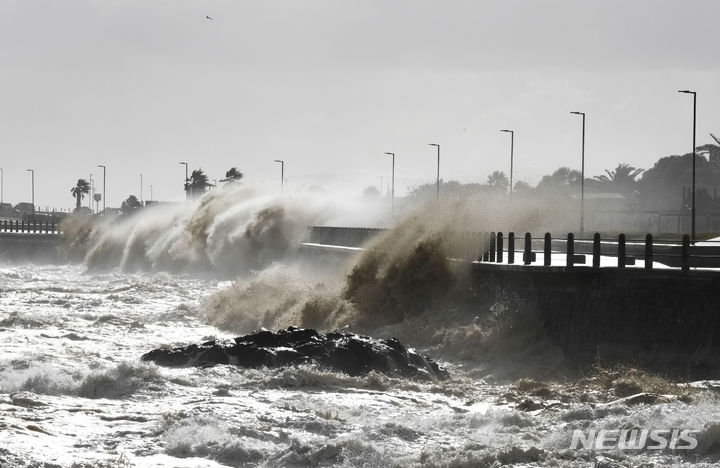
(662, 318)
(28, 247)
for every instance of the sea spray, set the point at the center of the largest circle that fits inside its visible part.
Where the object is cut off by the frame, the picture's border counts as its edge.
(232, 231)
(404, 285)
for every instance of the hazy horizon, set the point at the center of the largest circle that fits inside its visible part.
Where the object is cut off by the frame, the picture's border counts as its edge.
(330, 86)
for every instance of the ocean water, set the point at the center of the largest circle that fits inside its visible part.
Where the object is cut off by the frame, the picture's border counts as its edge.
(74, 393)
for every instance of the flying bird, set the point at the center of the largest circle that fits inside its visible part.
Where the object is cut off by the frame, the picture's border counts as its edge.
(208, 17)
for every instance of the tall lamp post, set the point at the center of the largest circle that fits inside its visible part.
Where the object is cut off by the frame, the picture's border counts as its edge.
(186, 180)
(90, 197)
(2, 183)
(282, 173)
(437, 180)
(512, 147)
(104, 194)
(582, 176)
(692, 212)
(32, 187)
(151, 194)
(141, 190)
(392, 184)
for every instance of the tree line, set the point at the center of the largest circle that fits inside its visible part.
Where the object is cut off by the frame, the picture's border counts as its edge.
(196, 184)
(666, 186)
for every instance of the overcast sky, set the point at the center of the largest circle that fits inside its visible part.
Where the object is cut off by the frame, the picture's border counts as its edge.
(329, 86)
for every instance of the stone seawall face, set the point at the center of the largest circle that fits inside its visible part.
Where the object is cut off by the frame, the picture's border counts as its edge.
(15, 247)
(662, 318)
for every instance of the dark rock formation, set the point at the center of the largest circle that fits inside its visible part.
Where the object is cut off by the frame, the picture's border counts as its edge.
(344, 352)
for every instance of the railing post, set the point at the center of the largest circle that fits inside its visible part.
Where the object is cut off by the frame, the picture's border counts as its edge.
(527, 255)
(621, 251)
(52, 227)
(511, 248)
(570, 250)
(648, 252)
(485, 248)
(596, 250)
(499, 257)
(685, 254)
(492, 247)
(547, 250)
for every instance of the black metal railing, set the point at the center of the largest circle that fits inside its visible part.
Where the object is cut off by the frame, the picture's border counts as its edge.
(571, 252)
(28, 227)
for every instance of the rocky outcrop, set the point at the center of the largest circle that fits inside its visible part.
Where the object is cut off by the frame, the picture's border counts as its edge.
(344, 352)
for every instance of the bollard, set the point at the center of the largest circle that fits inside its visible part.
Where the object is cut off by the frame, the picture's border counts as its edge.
(621, 251)
(649, 252)
(499, 247)
(570, 250)
(685, 255)
(492, 247)
(511, 248)
(596, 250)
(547, 250)
(527, 255)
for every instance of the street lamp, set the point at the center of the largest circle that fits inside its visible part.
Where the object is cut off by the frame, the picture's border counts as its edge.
(32, 175)
(151, 194)
(692, 213)
(282, 173)
(141, 190)
(90, 196)
(2, 183)
(437, 182)
(392, 184)
(186, 180)
(582, 176)
(512, 147)
(104, 194)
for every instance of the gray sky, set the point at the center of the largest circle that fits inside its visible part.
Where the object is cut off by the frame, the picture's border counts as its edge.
(330, 85)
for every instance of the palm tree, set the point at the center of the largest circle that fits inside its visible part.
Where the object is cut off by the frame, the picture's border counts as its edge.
(232, 175)
(198, 182)
(622, 178)
(79, 191)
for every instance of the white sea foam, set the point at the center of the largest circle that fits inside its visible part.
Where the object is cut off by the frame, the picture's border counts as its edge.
(116, 381)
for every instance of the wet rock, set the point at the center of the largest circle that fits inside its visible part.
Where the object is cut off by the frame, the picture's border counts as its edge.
(529, 405)
(345, 352)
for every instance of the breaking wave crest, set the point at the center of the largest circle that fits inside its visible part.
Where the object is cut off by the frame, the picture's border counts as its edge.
(234, 230)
